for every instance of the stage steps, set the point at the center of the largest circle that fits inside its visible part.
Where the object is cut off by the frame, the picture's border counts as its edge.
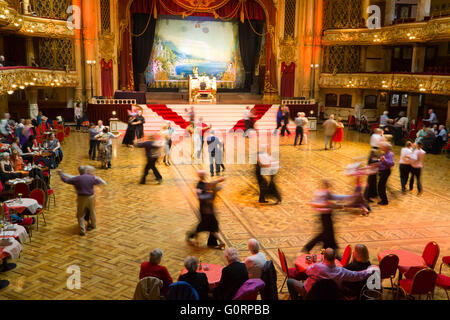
(221, 117)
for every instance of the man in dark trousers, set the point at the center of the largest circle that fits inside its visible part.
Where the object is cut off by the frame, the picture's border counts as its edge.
(215, 153)
(153, 152)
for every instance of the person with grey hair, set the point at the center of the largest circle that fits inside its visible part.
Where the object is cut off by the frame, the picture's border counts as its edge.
(255, 263)
(301, 121)
(152, 268)
(326, 269)
(215, 147)
(384, 119)
(84, 186)
(4, 125)
(329, 129)
(196, 279)
(234, 275)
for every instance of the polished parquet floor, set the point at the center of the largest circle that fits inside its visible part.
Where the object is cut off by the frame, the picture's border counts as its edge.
(134, 219)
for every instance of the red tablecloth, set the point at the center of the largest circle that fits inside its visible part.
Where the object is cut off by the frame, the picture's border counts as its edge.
(406, 259)
(301, 265)
(20, 206)
(213, 274)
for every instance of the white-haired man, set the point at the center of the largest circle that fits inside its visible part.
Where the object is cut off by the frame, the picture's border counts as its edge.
(255, 263)
(330, 128)
(301, 121)
(233, 276)
(84, 185)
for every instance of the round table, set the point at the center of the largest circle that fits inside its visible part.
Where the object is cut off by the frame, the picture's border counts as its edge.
(301, 265)
(13, 182)
(214, 273)
(31, 205)
(406, 259)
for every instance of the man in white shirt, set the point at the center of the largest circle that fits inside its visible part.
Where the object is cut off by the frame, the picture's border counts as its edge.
(416, 167)
(255, 263)
(106, 137)
(406, 156)
(376, 138)
(384, 119)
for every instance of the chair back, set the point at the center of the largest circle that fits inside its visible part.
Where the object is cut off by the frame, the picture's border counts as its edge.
(66, 131)
(424, 282)
(250, 289)
(55, 123)
(283, 261)
(60, 136)
(21, 188)
(181, 290)
(388, 266)
(148, 288)
(431, 254)
(347, 255)
(39, 196)
(1, 187)
(6, 212)
(269, 276)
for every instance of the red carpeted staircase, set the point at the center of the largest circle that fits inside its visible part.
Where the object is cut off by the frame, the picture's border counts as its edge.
(259, 109)
(168, 114)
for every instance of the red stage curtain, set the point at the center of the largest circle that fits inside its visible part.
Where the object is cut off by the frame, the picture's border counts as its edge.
(287, 80)
(253, 9)
(107, 86)
(104, 112)
(126, 64)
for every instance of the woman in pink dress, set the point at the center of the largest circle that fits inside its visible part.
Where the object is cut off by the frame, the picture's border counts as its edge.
(339, 134)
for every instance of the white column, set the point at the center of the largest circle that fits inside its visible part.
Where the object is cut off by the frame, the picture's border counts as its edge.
(423, 9)
(389, 13)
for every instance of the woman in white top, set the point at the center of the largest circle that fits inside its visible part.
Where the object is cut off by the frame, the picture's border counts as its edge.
(416, 167)
(405, 164)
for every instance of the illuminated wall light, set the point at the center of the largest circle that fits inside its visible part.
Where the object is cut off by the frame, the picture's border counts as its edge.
(21, 87)
(2, 16)
(6, 11)
(10, 92)
(20, 20)
(14, 86)
(16, 24)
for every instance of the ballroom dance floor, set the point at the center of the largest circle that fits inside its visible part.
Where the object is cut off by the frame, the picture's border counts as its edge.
(133, 219)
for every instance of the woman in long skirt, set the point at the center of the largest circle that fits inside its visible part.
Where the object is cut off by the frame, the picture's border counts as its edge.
(206, 192)
(128, 140)
(339, 134)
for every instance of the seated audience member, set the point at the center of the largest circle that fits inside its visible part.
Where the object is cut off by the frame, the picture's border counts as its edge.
(384, 119)
(6, 169)
(325, 270)
(28, 146)
(360, 262)
(233, 276)
(2, 61)
(325, 289)
(255, 263)
(442, 137)
(428, 140)
(52, 144)
(420, 134)
(153, 268)
(196, 279)
(17, 161)
(16, 145)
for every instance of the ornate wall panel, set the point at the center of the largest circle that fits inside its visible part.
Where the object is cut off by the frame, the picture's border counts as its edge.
(433, 30)
(289, 18)
(341, 59)
(56, 54)
(41, 78)
(388, 82)
(105, 14)
(51, 8)
(339, 14)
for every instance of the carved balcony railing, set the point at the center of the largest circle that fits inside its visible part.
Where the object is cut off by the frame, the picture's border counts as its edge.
(11, 20)
(409, 82)
(417, 32)
(20, 78)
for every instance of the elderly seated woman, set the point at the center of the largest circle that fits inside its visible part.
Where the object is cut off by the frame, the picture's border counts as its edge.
(233, 276)
(196, 279)
(152, 268)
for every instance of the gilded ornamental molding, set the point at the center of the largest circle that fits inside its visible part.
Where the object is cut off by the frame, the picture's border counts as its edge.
(288, 50)
(11, 20)
(436, 29)
(21, 78)
(433, 84)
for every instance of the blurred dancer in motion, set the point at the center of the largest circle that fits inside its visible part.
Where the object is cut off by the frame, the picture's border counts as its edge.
(206, 193)
(324, 205)
(167, 134)
(266, 166)
(153, 152)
